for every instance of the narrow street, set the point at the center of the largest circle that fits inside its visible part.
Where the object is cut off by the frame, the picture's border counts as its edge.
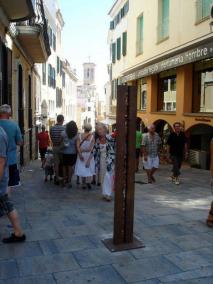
(64, 229)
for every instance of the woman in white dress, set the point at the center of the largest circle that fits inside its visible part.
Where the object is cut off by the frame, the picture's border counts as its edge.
(104, 153)
(85, 165)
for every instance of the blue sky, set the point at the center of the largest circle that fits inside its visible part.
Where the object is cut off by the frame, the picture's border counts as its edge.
(85, 35)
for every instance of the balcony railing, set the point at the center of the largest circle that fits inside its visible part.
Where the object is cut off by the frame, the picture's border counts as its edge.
(163, 30)
(39, 20)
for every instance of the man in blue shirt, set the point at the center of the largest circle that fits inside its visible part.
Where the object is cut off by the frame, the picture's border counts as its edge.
(6, 206)
(14, 138)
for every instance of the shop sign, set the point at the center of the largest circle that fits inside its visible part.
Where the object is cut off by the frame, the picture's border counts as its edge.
(190, 56)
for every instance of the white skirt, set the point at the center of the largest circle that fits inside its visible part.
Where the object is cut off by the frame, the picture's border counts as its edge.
(108, 184)
(80, 167)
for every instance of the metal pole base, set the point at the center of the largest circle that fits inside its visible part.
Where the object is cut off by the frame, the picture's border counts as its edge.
(136, 244)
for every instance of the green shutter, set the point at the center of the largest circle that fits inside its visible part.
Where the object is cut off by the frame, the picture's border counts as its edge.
(140, 28)
(119, 48)
(113, 52)
(124, 43)
(165, 9)
(206, 4)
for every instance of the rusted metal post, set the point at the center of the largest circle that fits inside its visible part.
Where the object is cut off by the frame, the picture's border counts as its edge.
(123, 237)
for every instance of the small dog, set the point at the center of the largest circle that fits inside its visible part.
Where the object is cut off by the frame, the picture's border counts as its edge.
(209, 221)
(49, 165)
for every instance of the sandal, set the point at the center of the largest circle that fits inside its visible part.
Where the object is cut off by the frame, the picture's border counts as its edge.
(14, 239)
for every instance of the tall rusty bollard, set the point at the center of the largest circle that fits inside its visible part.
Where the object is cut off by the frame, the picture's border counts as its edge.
(123, 236)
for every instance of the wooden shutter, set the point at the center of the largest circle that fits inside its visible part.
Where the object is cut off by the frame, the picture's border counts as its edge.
(124, 43)
(113, 52)
(119, 48)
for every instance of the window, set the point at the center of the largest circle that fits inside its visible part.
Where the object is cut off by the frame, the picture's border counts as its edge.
(61, 66)
(113, 52)
(44, 73)
(58, 97)
(63, 79)
(124, 43)
(119, 48)
(54, 42)
(112, 25)
(140, 27)
(58, 65)
(89, 108)
(53, 78)
(203, 86)
(203, 9)
(49, 75)
(142, 94)
(121, 14)
(50, 35)
(167, 92)
(163, 19)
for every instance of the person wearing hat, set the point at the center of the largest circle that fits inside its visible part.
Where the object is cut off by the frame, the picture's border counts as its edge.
(14, 139)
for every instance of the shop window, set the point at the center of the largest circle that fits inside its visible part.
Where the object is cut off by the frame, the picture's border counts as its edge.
(167, 93)
(203, 9)
(203, 87)
(163, 19)
(142, 94)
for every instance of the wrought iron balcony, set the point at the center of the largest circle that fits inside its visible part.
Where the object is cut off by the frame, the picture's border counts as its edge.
(33, 35)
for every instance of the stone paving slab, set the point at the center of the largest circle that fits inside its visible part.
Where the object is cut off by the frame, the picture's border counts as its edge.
(45, 279)
(190, 260)
(46, 264)
(66, 245)
(99, 275)
(145, 269)
(191, 275)
(101, 256)
(27, 249)
(65, 229)
(8, 269)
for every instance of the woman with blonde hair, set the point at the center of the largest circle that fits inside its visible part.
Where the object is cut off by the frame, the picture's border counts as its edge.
(85, 165)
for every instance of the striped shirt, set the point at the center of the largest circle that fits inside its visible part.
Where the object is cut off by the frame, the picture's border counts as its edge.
(55, 134)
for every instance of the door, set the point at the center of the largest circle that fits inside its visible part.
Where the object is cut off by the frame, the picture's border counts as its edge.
(21, 110)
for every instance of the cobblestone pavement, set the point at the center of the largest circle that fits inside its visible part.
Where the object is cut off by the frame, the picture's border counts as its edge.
(65, 227)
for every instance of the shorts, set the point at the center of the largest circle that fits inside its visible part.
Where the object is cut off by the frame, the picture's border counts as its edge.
(57, 155)
(151, 163)
(42, 152)
(138, 152)
(6, 206)
(14, 178)
(49, 171)
(69, 159)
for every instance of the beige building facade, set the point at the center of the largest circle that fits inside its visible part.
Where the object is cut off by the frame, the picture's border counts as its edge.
(23, 42)
(169, 57)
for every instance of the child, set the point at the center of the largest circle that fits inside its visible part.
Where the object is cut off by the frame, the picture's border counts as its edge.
(49, 165)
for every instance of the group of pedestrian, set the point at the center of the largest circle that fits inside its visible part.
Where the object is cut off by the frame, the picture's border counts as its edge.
(151, 145)
(89, 155)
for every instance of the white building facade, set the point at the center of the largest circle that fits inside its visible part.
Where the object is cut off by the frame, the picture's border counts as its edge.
(51, 71)
(69, 92)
